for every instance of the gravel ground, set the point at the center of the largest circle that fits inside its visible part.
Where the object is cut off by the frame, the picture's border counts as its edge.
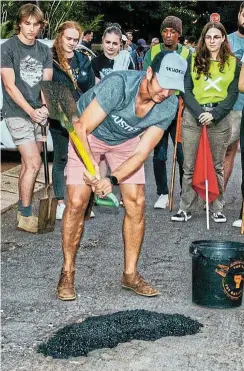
(31, 313)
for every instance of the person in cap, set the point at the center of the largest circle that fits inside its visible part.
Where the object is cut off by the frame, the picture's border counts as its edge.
(171, 30)
(113, 114)
(139, 53)
(211, 90)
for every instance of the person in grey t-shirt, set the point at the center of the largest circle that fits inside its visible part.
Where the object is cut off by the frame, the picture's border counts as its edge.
(113, 115)
(236, 40)
(24, 63)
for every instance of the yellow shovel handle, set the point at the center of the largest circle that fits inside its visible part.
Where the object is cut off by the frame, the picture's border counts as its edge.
(82, 152)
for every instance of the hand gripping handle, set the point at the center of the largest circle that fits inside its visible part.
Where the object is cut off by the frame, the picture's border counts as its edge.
(110, 200)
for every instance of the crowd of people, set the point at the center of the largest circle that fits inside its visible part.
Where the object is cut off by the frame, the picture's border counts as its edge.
(127, 99)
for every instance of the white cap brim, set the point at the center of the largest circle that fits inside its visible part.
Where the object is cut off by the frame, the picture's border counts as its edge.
(169, 83)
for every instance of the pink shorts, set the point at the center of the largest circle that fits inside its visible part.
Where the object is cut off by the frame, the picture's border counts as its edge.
(115, 156)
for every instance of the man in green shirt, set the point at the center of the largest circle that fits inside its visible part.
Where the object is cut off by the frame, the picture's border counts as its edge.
(171, 30)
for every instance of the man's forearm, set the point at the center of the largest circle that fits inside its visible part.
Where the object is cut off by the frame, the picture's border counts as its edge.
(129, 166)
(19, 99)
(83, 137)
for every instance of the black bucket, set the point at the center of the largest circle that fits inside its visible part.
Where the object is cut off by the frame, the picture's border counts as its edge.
(217, 273)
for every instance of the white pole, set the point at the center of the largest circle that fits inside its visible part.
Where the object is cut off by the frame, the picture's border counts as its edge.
(207, 204)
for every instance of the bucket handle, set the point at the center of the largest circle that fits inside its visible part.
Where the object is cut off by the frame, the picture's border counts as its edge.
(198, 254)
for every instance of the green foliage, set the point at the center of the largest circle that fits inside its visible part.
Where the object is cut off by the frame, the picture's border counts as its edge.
(142, 17)
(6, 30)
(55, 13)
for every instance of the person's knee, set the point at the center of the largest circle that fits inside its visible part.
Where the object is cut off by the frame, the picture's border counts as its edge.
(135, 204)
(76, 203)
(33, 164)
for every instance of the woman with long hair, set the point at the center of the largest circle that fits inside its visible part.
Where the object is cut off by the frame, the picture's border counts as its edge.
(72, 69)
(112, 58)
(211, 89)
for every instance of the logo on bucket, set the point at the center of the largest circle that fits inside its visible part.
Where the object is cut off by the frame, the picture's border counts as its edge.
(233, 277)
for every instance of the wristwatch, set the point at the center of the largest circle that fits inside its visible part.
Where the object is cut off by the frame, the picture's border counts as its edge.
(113, 180)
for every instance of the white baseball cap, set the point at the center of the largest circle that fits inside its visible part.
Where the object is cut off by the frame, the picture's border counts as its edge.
(170, 70)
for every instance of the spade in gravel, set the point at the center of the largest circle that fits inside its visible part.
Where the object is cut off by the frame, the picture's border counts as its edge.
(48, 205)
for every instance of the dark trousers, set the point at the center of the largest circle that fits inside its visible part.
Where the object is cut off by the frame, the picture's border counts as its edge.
(242, 157)
(160, 158)
(60, 148)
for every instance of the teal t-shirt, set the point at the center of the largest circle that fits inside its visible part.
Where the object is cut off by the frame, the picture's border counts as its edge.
(116, 94)
(237, 48)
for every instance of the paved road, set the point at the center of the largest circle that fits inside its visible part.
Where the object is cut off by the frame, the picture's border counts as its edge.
(31, 313)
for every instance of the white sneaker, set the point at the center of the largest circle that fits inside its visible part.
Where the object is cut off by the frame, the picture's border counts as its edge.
(237, 223)
(60, 211)
(92, 215)
(162, 202)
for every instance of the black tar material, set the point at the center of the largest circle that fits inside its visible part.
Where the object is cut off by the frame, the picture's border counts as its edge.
(109, 330)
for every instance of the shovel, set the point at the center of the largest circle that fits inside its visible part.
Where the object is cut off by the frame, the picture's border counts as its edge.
(48, 205)
(62, 107)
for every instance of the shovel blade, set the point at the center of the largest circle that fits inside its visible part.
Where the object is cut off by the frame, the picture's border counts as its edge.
(47, 215)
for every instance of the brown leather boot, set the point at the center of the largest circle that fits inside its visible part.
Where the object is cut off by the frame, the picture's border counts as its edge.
(65, 288)
(137, 283)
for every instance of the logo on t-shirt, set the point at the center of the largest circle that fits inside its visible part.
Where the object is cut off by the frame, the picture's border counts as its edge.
(105, 71)
(31, 70)
(123, 124)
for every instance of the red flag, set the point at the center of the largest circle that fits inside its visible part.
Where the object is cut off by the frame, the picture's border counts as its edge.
(204, 170)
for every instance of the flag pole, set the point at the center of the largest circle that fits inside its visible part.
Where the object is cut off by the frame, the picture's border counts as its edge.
(205, 172)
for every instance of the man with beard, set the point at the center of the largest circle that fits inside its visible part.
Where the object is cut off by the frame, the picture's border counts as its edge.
(236, 40)
(171, 30)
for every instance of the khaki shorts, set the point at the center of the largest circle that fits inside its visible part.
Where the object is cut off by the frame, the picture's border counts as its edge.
(23, 130)
(115, 156)
(235, 123)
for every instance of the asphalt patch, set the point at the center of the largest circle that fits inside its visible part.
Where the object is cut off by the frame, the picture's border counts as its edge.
(108, 331)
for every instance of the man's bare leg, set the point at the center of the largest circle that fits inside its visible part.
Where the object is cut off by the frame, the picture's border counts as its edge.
(133, 225)
(229, 161)
(30, 166)
(72, 230)
(133, 234)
